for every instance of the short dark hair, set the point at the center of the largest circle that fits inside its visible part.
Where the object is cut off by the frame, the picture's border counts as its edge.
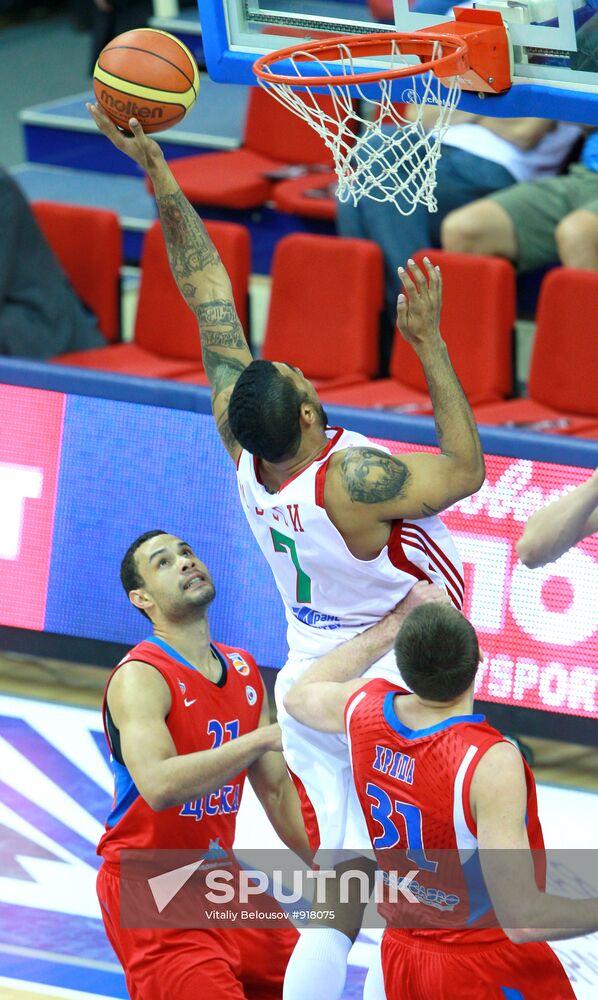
(130, 576)
(437, 652)
(263, 412)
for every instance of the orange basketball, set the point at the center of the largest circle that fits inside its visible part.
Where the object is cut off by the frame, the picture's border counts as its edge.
(146, 74)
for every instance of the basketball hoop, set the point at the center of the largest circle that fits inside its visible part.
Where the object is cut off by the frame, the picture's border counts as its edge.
(380, 150)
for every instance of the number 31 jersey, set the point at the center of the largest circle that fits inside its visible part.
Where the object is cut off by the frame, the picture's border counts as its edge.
(329, 594)
(414, 789)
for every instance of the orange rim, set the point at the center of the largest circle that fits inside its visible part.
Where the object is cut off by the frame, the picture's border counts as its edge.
(454, 63)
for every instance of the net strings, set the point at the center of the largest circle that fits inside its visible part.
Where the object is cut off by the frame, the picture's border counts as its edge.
(378, 152)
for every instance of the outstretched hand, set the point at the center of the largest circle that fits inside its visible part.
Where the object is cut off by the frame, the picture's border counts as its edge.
(138, 146)
(418, 307)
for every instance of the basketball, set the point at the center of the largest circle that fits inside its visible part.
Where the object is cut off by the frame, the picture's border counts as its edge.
(146, 74)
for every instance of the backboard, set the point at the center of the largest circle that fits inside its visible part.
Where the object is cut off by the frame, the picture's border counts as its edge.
(555, 44)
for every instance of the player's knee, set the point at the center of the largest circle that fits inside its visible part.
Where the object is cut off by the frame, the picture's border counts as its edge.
(462, 230)
(576, 238)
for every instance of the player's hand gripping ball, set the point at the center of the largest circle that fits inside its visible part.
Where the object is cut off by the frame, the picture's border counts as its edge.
(146, 74)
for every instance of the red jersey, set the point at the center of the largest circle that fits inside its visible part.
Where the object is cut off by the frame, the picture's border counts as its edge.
(414, 787)
(203, 716)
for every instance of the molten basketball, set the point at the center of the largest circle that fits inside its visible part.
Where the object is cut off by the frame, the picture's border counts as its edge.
(146, 74)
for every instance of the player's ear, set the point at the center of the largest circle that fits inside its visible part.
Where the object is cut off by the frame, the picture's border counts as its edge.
(307, 413)
(140, 600)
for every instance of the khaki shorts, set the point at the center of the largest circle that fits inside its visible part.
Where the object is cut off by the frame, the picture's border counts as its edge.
(536, 208)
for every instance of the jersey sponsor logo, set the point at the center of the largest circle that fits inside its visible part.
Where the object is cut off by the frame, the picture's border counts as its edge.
(189, 702)
(428, 895)
(240, 665)
(182, 687)
(251, 694)
(215, 851)
(316, 619)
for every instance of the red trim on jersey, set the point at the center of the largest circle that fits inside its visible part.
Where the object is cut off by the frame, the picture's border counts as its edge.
(310, 820)
(397, 556)
(455, 595)
(321, 483)
(332, 442)
(238, 462)
(440, 553)
(466, 790)
(415, 536)
(376, 685)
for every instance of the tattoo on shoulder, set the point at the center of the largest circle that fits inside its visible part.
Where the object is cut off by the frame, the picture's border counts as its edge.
(219, 324)
(222, 371)
(371, 476)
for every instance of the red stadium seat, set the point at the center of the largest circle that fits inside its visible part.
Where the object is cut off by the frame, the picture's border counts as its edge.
(274, 139)
(478, 316)
(88, 245)
(327, 293)
(563, 378)
(311, 196)
(166, 339)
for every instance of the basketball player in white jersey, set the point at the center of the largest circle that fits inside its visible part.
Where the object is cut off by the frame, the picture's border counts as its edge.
(346, 528)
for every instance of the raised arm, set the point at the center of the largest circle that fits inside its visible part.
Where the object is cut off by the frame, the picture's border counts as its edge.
(499, 802)
(197, 269)
(371, 485)
(550, 532)
(319, 698)
(274, 788)
(139, 701)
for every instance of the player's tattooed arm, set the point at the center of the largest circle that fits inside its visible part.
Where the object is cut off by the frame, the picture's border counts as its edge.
(190, 249)
(223, 372)
(219, 325)
(393, 485)
(371, 476)
(198, 270)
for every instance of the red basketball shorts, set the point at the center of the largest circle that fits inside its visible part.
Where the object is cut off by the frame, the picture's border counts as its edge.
(243, 964)
(419, 970)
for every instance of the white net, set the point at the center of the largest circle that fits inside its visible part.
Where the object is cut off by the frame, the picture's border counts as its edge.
(382, 149)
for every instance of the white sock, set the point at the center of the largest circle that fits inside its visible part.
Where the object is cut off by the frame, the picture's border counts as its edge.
(317, 969)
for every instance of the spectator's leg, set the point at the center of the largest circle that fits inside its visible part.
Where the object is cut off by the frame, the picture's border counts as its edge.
(577, 240)
(520, 222)
(483, 227)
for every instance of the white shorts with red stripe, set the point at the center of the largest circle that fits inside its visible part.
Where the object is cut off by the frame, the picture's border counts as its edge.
(321, 763)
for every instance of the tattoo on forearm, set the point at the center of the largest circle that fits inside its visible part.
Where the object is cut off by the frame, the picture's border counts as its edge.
(371, 476)
(219, 324)
(222, 372)
(189, 247)
(428, 511)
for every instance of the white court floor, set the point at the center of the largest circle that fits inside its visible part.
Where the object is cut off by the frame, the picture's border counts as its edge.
(56, 788)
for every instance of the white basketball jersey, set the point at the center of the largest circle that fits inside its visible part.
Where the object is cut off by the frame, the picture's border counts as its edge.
(329, 594)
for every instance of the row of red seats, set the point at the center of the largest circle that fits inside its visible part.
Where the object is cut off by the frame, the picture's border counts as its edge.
(326, 298)
(275, 143)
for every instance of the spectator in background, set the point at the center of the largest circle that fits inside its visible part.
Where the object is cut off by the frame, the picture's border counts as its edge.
(111, 17)
(538, 223)
(40, 314)
(480, 155)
